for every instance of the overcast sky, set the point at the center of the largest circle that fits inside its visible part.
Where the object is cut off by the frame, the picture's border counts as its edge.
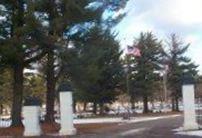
(164, 17)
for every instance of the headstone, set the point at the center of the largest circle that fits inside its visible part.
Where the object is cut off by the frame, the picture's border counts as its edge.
(189, 104)
(66, 110)
(31, 114)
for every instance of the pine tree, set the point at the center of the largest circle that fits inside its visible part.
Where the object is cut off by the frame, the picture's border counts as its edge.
(144, 69)
(20, 39)
(179, 65)
(60, 16)
(95, 69)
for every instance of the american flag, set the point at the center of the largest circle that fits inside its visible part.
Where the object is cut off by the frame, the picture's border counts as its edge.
(134, 51)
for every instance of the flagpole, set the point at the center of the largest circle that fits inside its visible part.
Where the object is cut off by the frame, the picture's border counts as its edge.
(127, 71)
(165, 85)
(127, 75)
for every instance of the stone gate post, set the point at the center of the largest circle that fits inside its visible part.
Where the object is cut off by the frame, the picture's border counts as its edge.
(189, 104)
(66, 110)
(31, 114)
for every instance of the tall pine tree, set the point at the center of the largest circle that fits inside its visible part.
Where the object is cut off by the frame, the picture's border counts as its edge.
(179, 65)
(59, 17)
(20, 41)
(144, 70)
(95, 69)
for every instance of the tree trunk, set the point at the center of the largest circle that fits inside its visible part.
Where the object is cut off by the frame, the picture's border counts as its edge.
(173, 104)
(51, 82)
(95, 108)
(84, 106)
(1, 109)
(101, 109)
(145, 103)
(132, 103)
(74, 106)
(176, 104)
(17, 95)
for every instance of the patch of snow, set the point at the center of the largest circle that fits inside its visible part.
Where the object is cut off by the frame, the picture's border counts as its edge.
(5, 123)
(143, 119)
(139, 111)
(96, 120)
(178, 129)
(130, 132)
(190, 133)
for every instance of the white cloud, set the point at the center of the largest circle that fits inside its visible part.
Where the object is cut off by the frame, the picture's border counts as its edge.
(168, 14)
(188, 12)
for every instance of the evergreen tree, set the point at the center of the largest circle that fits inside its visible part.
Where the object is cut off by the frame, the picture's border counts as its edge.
(179, 65)
(95, 69)
(144, 70)
(20, 38)
(59, 16)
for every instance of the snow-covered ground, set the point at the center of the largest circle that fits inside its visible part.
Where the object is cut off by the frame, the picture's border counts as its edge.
(179, 131)
(191, 133)
(6, 123)
(133, 131)
(143, 119)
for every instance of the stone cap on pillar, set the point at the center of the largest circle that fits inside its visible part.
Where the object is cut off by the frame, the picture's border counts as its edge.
(188, 80)
(32, 101)
(65, 87)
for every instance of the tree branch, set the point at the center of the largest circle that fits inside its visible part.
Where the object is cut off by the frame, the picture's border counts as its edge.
(35, 58)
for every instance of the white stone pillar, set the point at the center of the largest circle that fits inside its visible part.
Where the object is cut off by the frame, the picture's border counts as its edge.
(31, 114)
(189, 106)
(66, 111)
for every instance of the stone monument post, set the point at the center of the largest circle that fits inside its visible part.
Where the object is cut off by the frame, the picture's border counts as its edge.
(66, 110)
(189, 104)
(31, 114)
